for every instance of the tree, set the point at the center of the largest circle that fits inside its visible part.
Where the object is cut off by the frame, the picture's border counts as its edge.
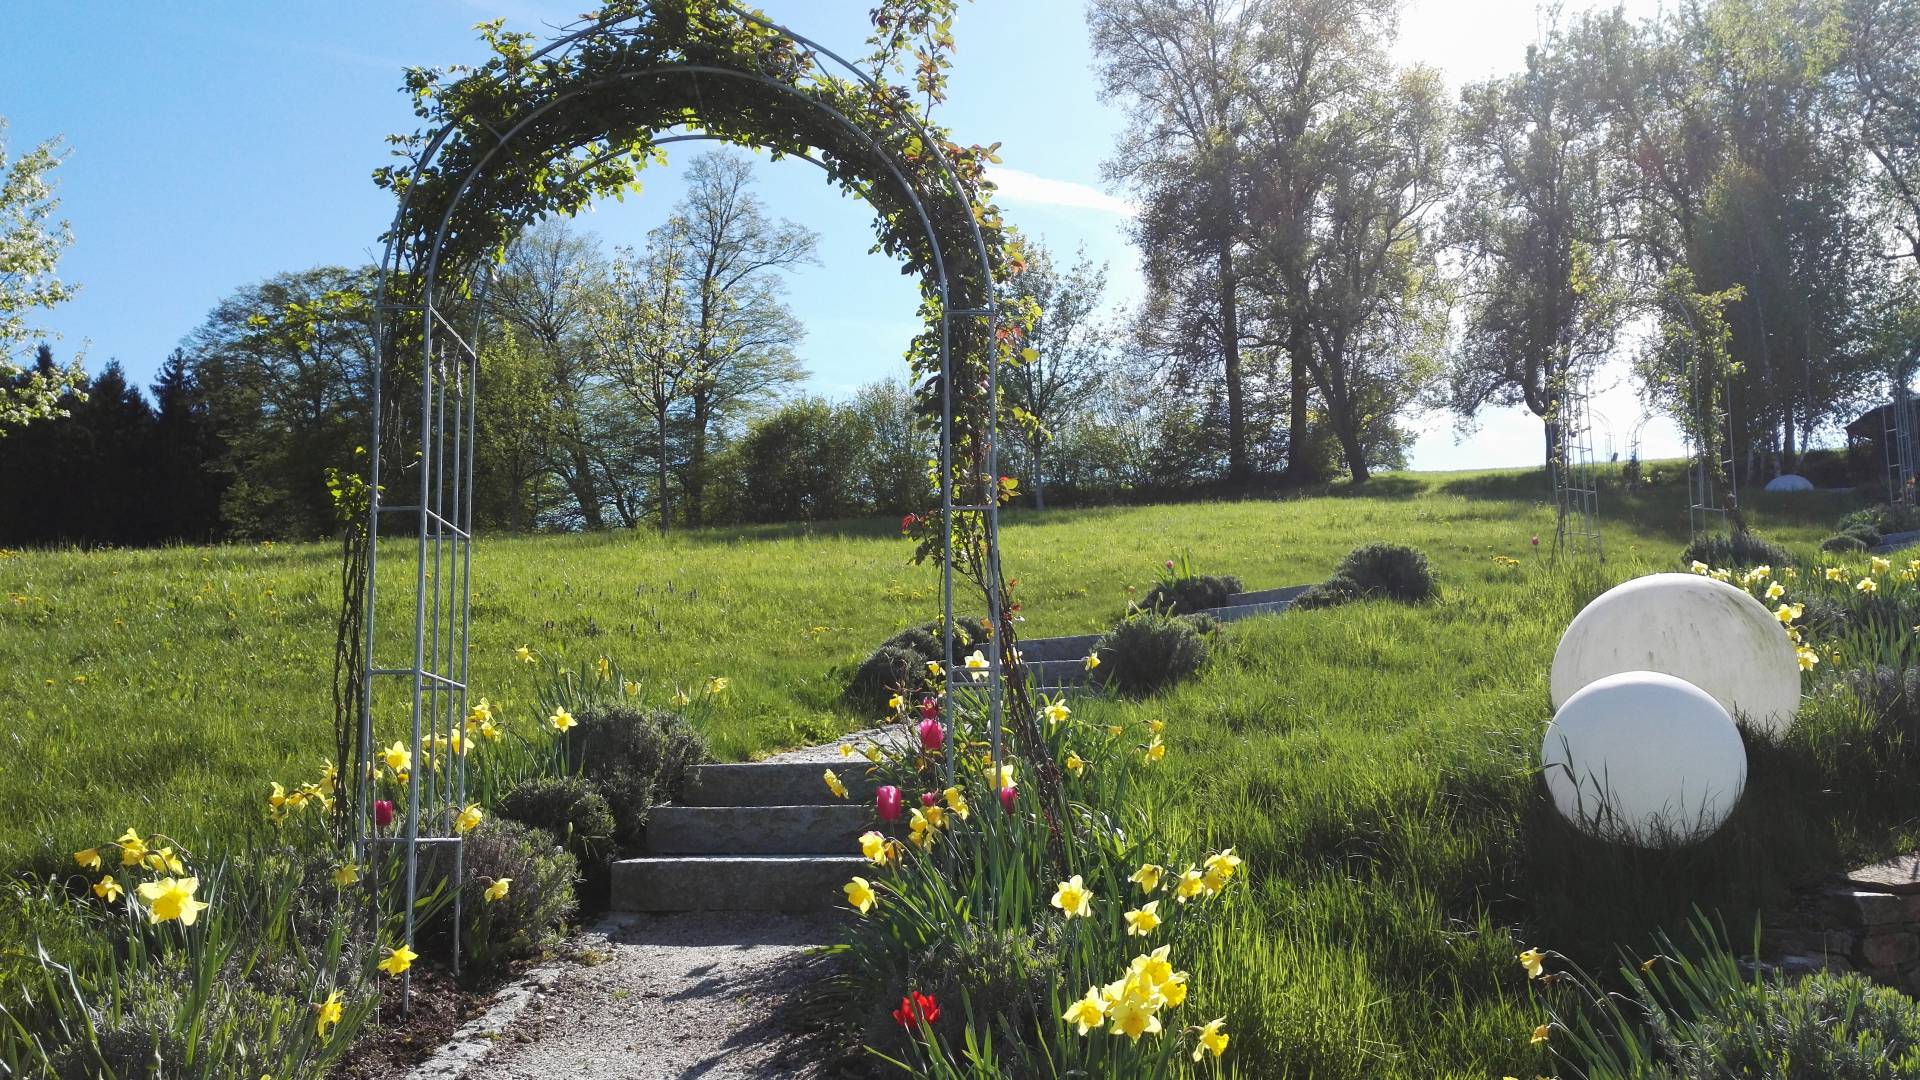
(30, 246)
(287, 368)
(793, 464)
(1180, 67)
(742, 336)
(1374, 302)
(641, 326)
(1533, 222)
(186, 490)
(891, 473)
(1069, 350)
(1882, 70)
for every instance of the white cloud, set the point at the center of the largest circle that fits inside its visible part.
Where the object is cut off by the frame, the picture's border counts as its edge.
(1024, 187)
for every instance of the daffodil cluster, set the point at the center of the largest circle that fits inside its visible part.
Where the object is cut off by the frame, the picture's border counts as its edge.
(168, 896)
(1132, 1005)
(317, 794)
(1762, 582)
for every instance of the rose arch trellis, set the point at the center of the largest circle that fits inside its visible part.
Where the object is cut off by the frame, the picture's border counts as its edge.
(538, 131)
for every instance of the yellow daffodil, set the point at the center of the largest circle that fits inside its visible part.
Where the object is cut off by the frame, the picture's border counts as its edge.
(874, 846)
(1867, 585)
(717, 684)
(1807, 658)
(1224, 863)
(603, 667)
(1174, 990)
(1074, 763)
(1836, 573)
(1156, 749)
(1057, 713)
(397, 757)
(859, 894)
(1722, 575)
(133, 850)
(277, 798)
(1093, 661)
(88, 859)
(1786, 613)
(397, 961)
(1115, 730)
(327, 1013)
(956, 802)
(1532, 960)
(172, 898)
(834, 785)
(1878, 565)
(977, 665)
(1213, 1038)
(525, 656)
(1541, 1034)
(329, 776)
(1132, 1015)
(1700, 568)
(489, 732)
(680, 697)
(1156, 725)
(1006, 778)
(108, 889)
(1148, 877)
(846, 750)
(165, 861)
(896, 703)
(1143, 920)
(630, 688)
(1647, 964)
(1776, 590)
(346, 875)
(562, 721)
(936, 815)
(479, 714)
(497, 890)
(1191, 884)
(1087, 1013)
(871, 753)
(469, 819)
(934, 669)
(1073, 898)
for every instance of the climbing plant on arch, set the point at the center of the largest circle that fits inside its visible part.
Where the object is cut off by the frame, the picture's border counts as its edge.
(541, 129)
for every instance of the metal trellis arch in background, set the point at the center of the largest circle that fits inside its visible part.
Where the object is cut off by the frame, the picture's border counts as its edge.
(439, 479)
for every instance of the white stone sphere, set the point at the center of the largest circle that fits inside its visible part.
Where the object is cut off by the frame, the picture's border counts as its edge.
(1789, 482)
(1712, 634)
(1644, 758)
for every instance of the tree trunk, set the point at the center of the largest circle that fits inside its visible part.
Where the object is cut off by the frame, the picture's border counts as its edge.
(1787, 455)
(584, 491)
(1299, 469)
(1356, 455)
(696, 482)
(1237, 470)
(660, 473)
(1039, 482)
(1554, 452)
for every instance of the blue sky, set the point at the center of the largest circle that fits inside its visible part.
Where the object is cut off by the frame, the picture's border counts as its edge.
(215, 144)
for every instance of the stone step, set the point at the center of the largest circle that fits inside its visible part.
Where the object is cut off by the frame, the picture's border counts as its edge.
(786, 783)
(1058, 672)
(1266, 596)
(757, 830)
(733, 882)
(1058, 648)
(1237, 612)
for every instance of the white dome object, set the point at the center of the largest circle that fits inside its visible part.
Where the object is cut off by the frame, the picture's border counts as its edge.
(1644, 758)
(1789, 482)
(1712, 634)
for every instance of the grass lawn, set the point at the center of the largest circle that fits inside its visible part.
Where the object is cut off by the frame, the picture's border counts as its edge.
(1374, 763)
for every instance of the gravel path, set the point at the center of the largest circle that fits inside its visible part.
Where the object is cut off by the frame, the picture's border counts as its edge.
(664, 996)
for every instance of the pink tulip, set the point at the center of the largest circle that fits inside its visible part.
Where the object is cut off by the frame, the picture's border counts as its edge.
(1536, 540)
(932, 735)
(382, 813)
(928, 798)
(1006, 799)
(1169, 564)
(929, 706)
(886, 800)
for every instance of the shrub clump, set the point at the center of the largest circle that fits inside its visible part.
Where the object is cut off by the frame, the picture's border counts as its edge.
(1383, 571)
(1186, 595)
(1880, 519)
(568, 807)
(1741, 551)
(1846, 544)
(634, 757)
(531, 912)
(1148, 651)
(897, 665)
(1835, 1027)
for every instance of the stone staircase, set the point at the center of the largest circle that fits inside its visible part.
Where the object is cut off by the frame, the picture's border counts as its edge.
(766, 836)
(769, 836)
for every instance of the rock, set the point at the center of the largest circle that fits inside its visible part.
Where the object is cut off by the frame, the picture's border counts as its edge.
(1789, 482)
(1889, 950)
(1897, 875)
(1864, 907)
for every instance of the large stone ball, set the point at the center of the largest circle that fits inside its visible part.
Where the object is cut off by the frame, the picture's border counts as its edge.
(1713, 635)
(1789, 482)
(1644, 758)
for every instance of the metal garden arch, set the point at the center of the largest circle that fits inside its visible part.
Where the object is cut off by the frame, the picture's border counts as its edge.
(415, 281)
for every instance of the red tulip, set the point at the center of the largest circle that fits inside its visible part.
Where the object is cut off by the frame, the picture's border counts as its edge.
(382, 813)
(886, 801)
(916, 1008)
(932, 735)
(928, 798)
(907, 523)
(929, 706)
(1536, 540)
(1169, 564)
(1007, 796)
